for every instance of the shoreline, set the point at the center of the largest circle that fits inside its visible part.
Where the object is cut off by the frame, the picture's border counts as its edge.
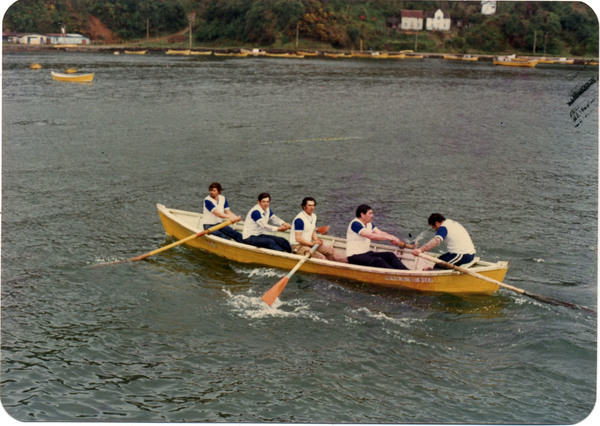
(114, 49)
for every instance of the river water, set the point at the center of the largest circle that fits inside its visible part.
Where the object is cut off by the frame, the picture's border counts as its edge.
(184, 336)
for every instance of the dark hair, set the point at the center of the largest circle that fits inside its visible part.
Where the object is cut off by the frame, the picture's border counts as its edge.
(306, 200)
(434, 218)
(263, 195)
(216, 185)
(363, 208)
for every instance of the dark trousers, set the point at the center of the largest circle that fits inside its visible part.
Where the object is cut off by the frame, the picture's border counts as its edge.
(383, 259)
(455, 259)
(227, 232)
(269, 241)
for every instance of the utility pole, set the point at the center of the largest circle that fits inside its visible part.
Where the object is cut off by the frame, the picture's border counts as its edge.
(191, 18)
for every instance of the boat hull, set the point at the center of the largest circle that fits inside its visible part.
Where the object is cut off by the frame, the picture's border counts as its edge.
(76, 78)
(180, 224)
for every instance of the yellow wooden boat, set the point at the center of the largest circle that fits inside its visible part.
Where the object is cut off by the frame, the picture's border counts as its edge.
(178, 52)
(545, 60)
(336, 55)
(135, 52)
(512, 61)
(461, 57)
(305, 53)
(180, 224)
(76, 78)
(232, 54)
(201, 52)
(35, 66)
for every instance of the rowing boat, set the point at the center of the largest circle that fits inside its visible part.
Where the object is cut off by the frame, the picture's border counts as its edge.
(180, 224)
(512, 61)
(461, 57)
(77, 78)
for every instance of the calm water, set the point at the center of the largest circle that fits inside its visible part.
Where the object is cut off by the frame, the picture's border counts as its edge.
(184, 335)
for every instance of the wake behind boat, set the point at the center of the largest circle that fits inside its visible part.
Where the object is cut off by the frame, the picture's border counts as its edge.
(180, 224)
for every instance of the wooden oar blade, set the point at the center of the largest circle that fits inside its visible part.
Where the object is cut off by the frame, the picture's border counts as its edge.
(176, 243)
(273, 293)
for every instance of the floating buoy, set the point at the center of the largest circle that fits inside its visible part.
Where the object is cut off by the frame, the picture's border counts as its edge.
(35, 66)
(116, 52)
(70, 70)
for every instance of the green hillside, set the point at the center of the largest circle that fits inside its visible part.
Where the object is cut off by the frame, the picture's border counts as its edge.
(554, 27)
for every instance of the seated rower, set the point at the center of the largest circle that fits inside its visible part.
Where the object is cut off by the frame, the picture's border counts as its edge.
(303, 234)
(458, 241)
(359, 235)
(215, 210)
(260, 220)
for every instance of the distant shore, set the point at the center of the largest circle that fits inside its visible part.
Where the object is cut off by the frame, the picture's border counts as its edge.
(6, 48)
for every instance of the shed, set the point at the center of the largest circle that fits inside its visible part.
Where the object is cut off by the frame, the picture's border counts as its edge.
(32, 39)
(68, 39)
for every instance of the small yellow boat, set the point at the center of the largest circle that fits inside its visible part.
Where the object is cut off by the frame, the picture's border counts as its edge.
(512, 61)
(545, 60)
(304, 53)
(232, 54)
(180, 224)
(461, 57)
(35, 66)
(178, 52)
(135, 52)
(413, 56)
(201, 52)
(336, 55)
(75, 78)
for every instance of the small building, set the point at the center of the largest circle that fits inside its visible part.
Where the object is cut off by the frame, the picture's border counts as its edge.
(411, 20)
(437, 21)
(67, 39)
(31, 39)
(488, 7)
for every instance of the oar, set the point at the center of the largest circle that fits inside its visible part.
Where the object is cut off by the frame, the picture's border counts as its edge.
(274, 292)
(176, 243)
(539, 297)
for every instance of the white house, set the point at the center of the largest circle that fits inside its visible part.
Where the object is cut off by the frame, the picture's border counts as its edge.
(68, 39)
(488, 7)
(411, 19)
(437, 21)
(32, 39)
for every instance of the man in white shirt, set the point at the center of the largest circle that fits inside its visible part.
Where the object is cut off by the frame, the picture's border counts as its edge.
(458, 241)
(259, 221)
(359, 235)
(303, 234)
(215, 210)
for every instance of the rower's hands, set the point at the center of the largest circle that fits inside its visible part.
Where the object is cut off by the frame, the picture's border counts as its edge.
(417, 252)
(284, 227)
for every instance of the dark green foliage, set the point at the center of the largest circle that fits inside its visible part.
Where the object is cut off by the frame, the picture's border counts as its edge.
(554, 27)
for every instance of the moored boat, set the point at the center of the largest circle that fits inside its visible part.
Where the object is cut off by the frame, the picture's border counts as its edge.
(180, 224)
(135, 52)
(178, 52)
(546, 60)
(461, 57)
(76, 78)
(512, 61)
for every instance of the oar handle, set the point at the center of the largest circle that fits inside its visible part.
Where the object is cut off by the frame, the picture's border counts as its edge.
(304, 259)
